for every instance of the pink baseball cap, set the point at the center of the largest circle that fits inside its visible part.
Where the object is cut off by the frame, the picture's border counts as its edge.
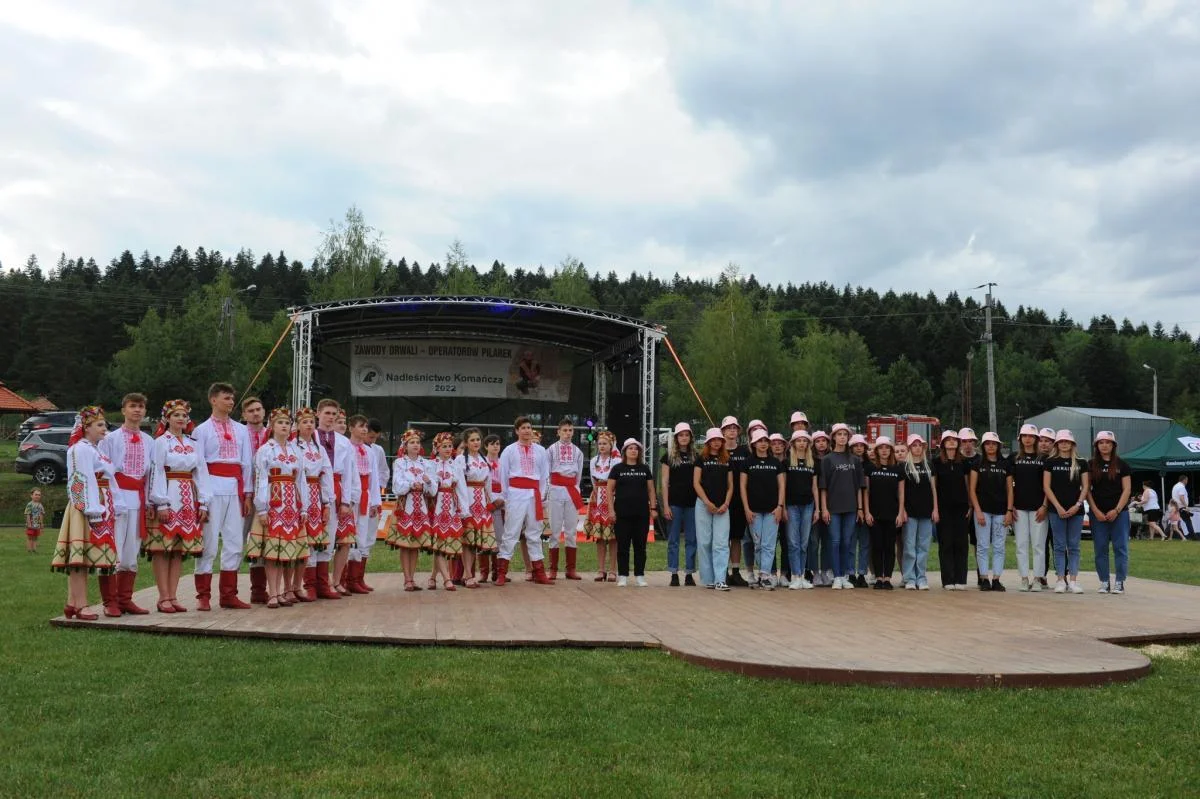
(949, 434)
(858, 438)
(913, 439)
(711, 433)
(820, 434)
(758, 435)
(683, 427)
(1105, 435)
(1046, 432)
(631, 442)
(799, 434)
(778, 437)
(883, 441)
(755, 424)
(1064, 435)
(1028, 430)
(967, 434)
(839, 427)
(730, 421)
(990, 436)
(799, 416)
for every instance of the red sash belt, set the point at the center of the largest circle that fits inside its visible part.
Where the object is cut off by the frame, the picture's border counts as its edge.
(563, 481)
(534, 486)
(129, 483)
(364, 494)
(445, 489)
(480, 483)
(101, 481)
(234, 470)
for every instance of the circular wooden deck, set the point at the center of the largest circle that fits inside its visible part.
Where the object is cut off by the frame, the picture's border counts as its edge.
(904, 638)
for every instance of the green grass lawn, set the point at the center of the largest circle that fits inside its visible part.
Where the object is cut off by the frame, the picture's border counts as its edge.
(122, 714)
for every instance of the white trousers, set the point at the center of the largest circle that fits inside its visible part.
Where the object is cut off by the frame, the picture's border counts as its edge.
(1031, 538)
(563, 519)
(129, 542)
(224, 526)
(521, 515)
(364, 536)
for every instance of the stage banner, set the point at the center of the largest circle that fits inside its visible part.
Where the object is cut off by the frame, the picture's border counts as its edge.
(464, 368)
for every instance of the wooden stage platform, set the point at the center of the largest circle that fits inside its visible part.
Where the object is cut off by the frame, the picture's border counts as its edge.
(905, 638)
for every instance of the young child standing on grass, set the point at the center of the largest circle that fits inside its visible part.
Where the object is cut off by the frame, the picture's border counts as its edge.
(35, 519)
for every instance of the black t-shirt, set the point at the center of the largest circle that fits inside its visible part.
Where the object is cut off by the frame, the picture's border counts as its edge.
(679, 480)
(918, 494)
(737, 459)
(714, 479)
(883, 484)
(1065, 490)
(991, 485)
(630, 497)
(1107, 491)
(799, 484)
(952, 476)
(1027, 473)
(762, 482)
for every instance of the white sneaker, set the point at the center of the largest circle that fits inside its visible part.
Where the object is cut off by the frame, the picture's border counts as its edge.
(847, 583)
(923, 587)
(796, 584)
(1025, 584)
(828, 577)
(622, 582)
(1075, 589)
(1103, 588)
(641, 581)
(720, 587)
(837, 583)
(870, 578)
(1118, 587)
(1036, 585)
(1060, 587)
(910, 586)
(805, 584)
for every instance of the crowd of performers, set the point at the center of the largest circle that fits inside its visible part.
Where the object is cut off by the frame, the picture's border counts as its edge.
(299, 497)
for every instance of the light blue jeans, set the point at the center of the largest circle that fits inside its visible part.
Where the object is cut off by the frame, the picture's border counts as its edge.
(764, 531)
(712, 545)
(1116, 532)
(917, 535)
(841, 536)
(683, 519)
(989, 540)
(799, 527)
(1066, 534)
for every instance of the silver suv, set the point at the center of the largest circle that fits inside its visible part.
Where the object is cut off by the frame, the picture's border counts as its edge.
(43, 454)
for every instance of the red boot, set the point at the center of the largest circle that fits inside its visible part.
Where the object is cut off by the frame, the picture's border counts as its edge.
(495, 567)
(572, 554)
(108, 595)
(484, 567)
(362, 574)
(324, 589)
(554, 564)
(203, 591)
(501, 571)
(352, 577)
(125, 594)
(456, 571)
(258, 585)
(310, 583)
(539, 573)
(229, 592)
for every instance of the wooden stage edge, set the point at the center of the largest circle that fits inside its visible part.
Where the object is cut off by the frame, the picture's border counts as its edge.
(909, 639)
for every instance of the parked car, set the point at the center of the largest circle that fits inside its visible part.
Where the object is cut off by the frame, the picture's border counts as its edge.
(45, 421)
(43, 454)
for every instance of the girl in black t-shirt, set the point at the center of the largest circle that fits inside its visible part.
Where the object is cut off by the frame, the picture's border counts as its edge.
(1029, 509)
(991, 497)
(800, 498)
(955, 505)
(920, 514)
(712, 480)
(1108, 495)
(632, 504)
(762, 485)
(730, 429)
(679, 501)
(859, 561)
(884, 509)
(1066, 484)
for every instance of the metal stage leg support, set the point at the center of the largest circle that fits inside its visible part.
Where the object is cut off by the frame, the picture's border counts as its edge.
(600, 392)
(302, 360)
(649, 346)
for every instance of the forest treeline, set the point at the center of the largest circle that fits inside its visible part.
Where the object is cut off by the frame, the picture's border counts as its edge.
(80, 332)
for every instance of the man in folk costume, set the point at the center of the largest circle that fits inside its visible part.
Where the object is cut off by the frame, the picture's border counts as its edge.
(366, 510)
(130, 451)
(225, 447)
(525, 475)
(565, 499)
(346, 495)
(253, 413)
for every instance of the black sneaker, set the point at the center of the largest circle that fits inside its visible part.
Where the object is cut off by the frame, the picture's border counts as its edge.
(736, 580)
(808, 575)
(674, 580)
(997, 585)
(887, 585)
(689, 580)
(1042, 580)
(985, 585)
(878, 586)
(862, 581)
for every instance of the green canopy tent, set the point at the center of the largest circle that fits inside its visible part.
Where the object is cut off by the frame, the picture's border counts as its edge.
(1177, 449)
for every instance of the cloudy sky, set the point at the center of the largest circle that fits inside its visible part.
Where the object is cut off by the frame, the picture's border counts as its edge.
(1052, 146)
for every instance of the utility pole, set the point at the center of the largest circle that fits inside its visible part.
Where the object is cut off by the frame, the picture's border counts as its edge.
(991, 366)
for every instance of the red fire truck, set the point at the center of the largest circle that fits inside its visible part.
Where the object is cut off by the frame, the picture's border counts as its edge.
(899, 427)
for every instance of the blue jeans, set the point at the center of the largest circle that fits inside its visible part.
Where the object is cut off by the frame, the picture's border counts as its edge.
(764, 531)
(712, 544)
(989, 538)
(917, 535)
(1066, 534)
(682, 517)
(1116, 532)
(799, 526)
(841, 536)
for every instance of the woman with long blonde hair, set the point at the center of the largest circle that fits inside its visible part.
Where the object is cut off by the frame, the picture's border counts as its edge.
(1065, 481)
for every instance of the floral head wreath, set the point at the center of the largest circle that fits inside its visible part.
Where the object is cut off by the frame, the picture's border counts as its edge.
(409, 435)
(282, 412)
(87, 415)
(341, 414)
(169, 407)
(305, 413)
(442, 438)
(606, 434)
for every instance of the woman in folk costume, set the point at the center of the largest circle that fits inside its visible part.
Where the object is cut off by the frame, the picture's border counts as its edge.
(599, 524)
(179, 492)
(408, 528)
(446, 523)
(316, 499)
(278, 538)
(87, 539)
(479, 531)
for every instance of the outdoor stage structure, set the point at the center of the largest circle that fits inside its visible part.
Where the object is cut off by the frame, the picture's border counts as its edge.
(440, 362)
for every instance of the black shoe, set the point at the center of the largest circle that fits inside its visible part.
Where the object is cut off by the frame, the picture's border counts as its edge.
(862, 581)
(736, 580)
(982, 583)
(997, 586)
(985, 585)
(1042, 580)
(878, 586)
(887, 586)
(689, 580)
(808, 575)
(674, 580)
